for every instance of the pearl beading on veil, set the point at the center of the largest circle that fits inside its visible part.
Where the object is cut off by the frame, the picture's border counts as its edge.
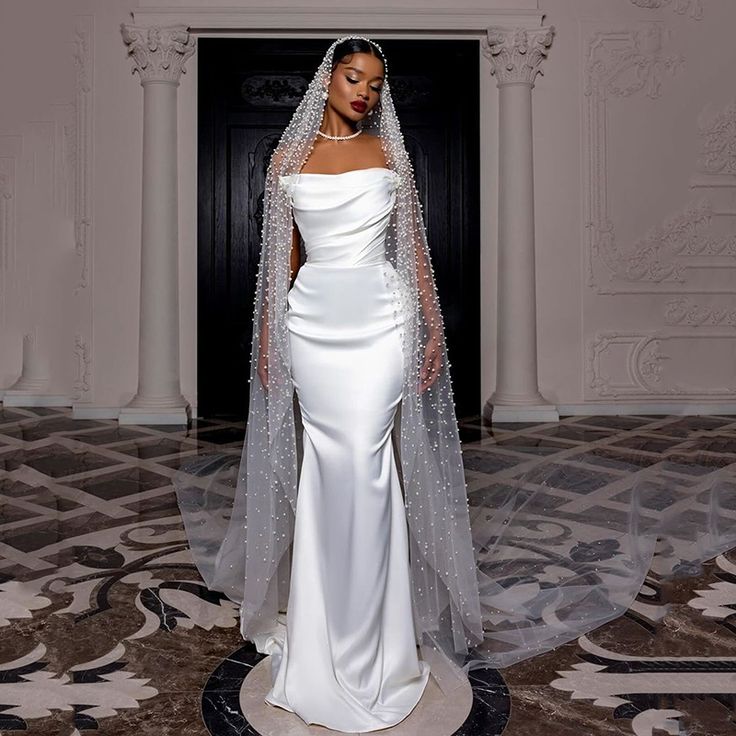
(286, 184)
(250, 562)
(390, 279)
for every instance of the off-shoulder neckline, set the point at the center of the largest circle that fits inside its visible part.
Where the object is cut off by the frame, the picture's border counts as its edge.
(340, 173)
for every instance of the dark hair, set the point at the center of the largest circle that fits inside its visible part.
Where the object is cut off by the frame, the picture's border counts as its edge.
(355, 46)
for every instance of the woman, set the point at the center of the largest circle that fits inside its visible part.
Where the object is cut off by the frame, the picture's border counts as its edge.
(347, 657)
(357, 338)
(354, 337)
(348, 660)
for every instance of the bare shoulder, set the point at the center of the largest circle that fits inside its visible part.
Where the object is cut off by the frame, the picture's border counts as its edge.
(376, 149)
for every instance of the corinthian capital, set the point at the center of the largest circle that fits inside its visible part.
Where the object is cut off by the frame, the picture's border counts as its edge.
(159, 52)
(516, 54)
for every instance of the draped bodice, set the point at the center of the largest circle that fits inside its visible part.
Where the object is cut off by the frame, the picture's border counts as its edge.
(343, 218)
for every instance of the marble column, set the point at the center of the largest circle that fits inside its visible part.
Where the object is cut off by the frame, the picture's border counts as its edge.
(159, 54)
(515, 56)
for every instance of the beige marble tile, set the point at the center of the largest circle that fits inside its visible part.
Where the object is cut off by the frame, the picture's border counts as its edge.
(433, 714)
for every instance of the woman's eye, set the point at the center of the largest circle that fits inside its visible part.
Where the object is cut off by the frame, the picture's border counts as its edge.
(355, 81)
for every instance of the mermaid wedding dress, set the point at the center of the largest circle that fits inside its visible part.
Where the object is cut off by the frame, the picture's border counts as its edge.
(347, 657)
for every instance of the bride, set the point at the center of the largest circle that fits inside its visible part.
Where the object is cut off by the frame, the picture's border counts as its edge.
(348, 660)
(346, 657)
(368, 556)
(343, 529)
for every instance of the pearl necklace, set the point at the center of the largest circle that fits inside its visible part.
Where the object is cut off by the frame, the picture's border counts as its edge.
(340, 137)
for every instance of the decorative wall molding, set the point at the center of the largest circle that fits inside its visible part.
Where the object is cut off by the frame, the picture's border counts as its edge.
(7, 193)
(627, 62)
(685, 311)
(676, 407)
(81, 135)
(659, 256)
(693, 8)
(717, 141)
(61, 126)
(323, 19)
(623, 63)
(83, 355)
(56, 166)
(688, 254)
(661, 260)
(10, 148)
(623, 365)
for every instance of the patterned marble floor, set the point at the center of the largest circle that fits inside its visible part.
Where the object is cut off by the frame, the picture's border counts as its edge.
(106, 627)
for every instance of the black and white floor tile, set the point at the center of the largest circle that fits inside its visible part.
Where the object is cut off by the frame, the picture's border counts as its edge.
(105, 625)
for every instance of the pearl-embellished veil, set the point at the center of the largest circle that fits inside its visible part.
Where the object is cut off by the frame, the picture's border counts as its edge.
(241, 528)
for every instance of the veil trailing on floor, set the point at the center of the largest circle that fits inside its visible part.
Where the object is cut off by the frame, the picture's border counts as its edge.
(514, 573)
(241, 528)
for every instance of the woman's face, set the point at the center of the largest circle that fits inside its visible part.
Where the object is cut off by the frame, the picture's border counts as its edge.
(355, 86)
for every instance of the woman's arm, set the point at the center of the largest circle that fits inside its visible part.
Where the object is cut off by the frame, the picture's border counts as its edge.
(429, 300)
(296, 256)
(294, 263)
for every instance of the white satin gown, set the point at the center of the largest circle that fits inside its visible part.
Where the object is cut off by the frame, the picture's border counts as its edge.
(347, 658)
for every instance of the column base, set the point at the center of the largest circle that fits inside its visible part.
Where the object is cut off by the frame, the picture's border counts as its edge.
(152, 411)
(541, 412)
(12, 397)
(88, 410)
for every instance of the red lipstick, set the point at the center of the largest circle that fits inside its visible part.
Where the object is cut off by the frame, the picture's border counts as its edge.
(358, 105)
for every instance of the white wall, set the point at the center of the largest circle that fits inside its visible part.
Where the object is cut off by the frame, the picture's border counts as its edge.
(631, 156)
(651, 315)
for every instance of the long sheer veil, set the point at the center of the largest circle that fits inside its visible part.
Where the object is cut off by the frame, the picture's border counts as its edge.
(517, 572)
(241, 528)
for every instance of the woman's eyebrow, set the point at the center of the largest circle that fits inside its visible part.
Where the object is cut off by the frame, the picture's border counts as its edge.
(360, 71)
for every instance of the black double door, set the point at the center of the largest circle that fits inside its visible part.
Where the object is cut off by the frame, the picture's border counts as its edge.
(248, 90)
